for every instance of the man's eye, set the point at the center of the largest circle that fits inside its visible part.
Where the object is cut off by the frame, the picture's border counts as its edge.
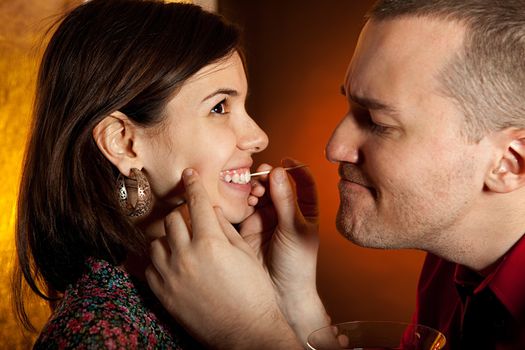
(364, 118)
(219, 108)
(378, 129)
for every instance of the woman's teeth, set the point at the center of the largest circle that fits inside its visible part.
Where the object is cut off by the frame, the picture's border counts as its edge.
(241, 177)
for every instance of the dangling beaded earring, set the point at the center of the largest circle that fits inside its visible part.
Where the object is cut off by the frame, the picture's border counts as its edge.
(144, 201)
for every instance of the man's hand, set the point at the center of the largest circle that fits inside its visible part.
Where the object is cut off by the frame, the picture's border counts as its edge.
(284, 234)
(210, 280)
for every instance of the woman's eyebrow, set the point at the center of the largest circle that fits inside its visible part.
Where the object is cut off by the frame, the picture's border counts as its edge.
(230, 92)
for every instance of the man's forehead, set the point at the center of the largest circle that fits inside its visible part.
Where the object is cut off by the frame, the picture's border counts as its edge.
(408, 46)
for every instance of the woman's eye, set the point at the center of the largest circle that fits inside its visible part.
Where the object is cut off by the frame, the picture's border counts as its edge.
(219, 108)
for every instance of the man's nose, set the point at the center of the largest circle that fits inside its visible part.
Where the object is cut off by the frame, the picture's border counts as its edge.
(343, 145)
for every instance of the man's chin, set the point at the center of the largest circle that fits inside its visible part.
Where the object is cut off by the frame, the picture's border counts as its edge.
(352, 237)
(345, 228)
(359, 236)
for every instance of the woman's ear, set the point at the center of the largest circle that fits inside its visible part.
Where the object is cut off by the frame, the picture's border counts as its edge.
(508, 173)
(115, 137)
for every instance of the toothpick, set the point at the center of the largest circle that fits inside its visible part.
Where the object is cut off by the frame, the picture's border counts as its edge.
(268, 171)
(260, 173)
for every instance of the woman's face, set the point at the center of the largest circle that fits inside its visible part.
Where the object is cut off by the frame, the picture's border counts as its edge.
(208, 129)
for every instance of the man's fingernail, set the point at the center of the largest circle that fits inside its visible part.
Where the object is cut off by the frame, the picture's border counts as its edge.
(187, 173)
(287, 162)
(279, 176)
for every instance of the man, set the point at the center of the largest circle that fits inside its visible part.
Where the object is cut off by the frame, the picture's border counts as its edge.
(432, 157)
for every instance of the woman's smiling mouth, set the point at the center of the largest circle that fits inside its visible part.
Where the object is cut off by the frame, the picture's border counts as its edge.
(239, 176)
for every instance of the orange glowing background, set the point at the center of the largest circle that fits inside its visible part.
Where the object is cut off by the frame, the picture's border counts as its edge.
(22, 24)
(297, 55)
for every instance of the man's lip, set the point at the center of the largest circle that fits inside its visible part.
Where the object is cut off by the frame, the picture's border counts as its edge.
(367, 187)
(354, 182)
(350, 172)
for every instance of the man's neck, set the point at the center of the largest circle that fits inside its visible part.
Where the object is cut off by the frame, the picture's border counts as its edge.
(484, 235)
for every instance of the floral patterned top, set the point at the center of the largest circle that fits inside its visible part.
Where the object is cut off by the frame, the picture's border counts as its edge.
(108, 309)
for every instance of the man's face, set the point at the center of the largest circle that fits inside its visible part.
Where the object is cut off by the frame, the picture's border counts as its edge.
(409, 178)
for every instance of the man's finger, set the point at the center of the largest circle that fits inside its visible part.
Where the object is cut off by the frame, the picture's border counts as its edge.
(306, 189)
(264, 219)
(177, 233)
(202, 215)
(153, 277)
(263, 167)
(283, 198)
(160, 254)
(229, 231)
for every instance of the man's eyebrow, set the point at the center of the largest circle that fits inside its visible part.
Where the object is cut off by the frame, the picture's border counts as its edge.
(230, 92)
(368, 103)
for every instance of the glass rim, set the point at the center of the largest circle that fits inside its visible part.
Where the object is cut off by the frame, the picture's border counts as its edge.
(439, 334)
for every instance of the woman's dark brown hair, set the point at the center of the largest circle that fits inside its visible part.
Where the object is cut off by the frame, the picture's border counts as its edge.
(106, 55)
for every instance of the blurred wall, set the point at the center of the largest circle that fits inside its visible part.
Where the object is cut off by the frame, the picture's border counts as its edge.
(22, 24)
(297, 55)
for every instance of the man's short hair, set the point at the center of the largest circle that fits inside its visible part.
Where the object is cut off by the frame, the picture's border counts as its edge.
(487, 77)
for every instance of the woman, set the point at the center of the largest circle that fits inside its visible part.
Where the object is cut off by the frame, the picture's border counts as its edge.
(129, 94)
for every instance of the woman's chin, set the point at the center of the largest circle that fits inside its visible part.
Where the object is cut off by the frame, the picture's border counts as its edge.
(237, 215)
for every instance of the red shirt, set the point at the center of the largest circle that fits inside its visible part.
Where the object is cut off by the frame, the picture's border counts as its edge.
(474, 311)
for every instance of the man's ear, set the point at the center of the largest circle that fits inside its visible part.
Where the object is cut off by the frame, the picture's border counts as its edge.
(508, 173)
(115, 137)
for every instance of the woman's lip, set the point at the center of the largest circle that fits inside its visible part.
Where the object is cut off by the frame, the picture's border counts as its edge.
(247, 187)
(236, 175)
(238, 170)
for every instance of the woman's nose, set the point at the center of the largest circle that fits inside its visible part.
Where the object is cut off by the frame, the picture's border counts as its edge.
(252, 137)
